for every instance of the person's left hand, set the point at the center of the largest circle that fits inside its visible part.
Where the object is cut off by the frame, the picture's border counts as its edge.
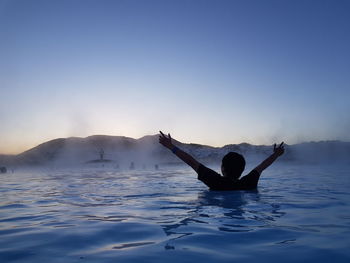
(165, 141)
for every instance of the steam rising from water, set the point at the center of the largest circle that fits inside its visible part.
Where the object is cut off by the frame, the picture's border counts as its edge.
(127, 153)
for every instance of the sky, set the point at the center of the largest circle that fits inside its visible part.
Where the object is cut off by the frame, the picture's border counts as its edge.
(210, 72)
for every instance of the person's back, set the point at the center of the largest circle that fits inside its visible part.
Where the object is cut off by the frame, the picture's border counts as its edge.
(232, 167)
(223, 183)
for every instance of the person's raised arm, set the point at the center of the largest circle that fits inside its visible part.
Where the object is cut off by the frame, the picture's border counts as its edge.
(167, 143)
(277, 152)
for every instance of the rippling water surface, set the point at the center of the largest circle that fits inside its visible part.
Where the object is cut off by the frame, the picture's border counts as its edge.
(299, 213)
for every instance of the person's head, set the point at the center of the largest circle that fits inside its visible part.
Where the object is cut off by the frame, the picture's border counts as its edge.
(232, 165)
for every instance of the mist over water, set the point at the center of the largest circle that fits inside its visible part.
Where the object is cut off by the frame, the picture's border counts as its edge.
(123, 152)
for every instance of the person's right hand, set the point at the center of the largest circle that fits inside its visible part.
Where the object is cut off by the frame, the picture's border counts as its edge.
(278, 150)
(165, 141)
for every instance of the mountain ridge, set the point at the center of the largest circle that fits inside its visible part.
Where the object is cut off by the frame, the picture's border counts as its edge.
(123, 149)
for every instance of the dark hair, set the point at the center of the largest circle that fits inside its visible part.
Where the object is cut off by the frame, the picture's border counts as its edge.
(233, 164)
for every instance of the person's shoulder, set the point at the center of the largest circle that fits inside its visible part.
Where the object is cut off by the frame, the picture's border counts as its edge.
(206, 174)
(204, 169)
(250, 180)
(253, 172)
(252, 175)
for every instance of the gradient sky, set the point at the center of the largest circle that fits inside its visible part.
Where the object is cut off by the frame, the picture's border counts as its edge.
(211, 72)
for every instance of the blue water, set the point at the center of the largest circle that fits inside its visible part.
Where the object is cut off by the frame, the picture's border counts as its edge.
(300, 213)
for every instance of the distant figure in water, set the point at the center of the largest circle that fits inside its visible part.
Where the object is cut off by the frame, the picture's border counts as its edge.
(232, 167)
(102, 153)
(132, 166)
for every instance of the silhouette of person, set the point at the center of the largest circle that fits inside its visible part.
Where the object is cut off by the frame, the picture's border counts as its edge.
(102, 153)
(232, 167)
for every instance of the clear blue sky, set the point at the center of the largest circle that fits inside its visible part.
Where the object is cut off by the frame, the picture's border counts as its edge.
(211, 72)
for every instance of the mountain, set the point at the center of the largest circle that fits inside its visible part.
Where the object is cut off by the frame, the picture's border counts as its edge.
(124, 150)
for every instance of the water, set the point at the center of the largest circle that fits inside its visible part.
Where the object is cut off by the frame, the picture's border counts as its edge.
(298, 214)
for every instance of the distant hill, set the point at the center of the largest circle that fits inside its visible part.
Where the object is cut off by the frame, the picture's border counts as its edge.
(123, 150)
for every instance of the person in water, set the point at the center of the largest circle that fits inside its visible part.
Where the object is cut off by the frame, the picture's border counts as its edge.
(232, 167)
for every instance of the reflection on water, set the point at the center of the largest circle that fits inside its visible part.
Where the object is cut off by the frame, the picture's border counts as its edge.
(101, 215)
(239, 211)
